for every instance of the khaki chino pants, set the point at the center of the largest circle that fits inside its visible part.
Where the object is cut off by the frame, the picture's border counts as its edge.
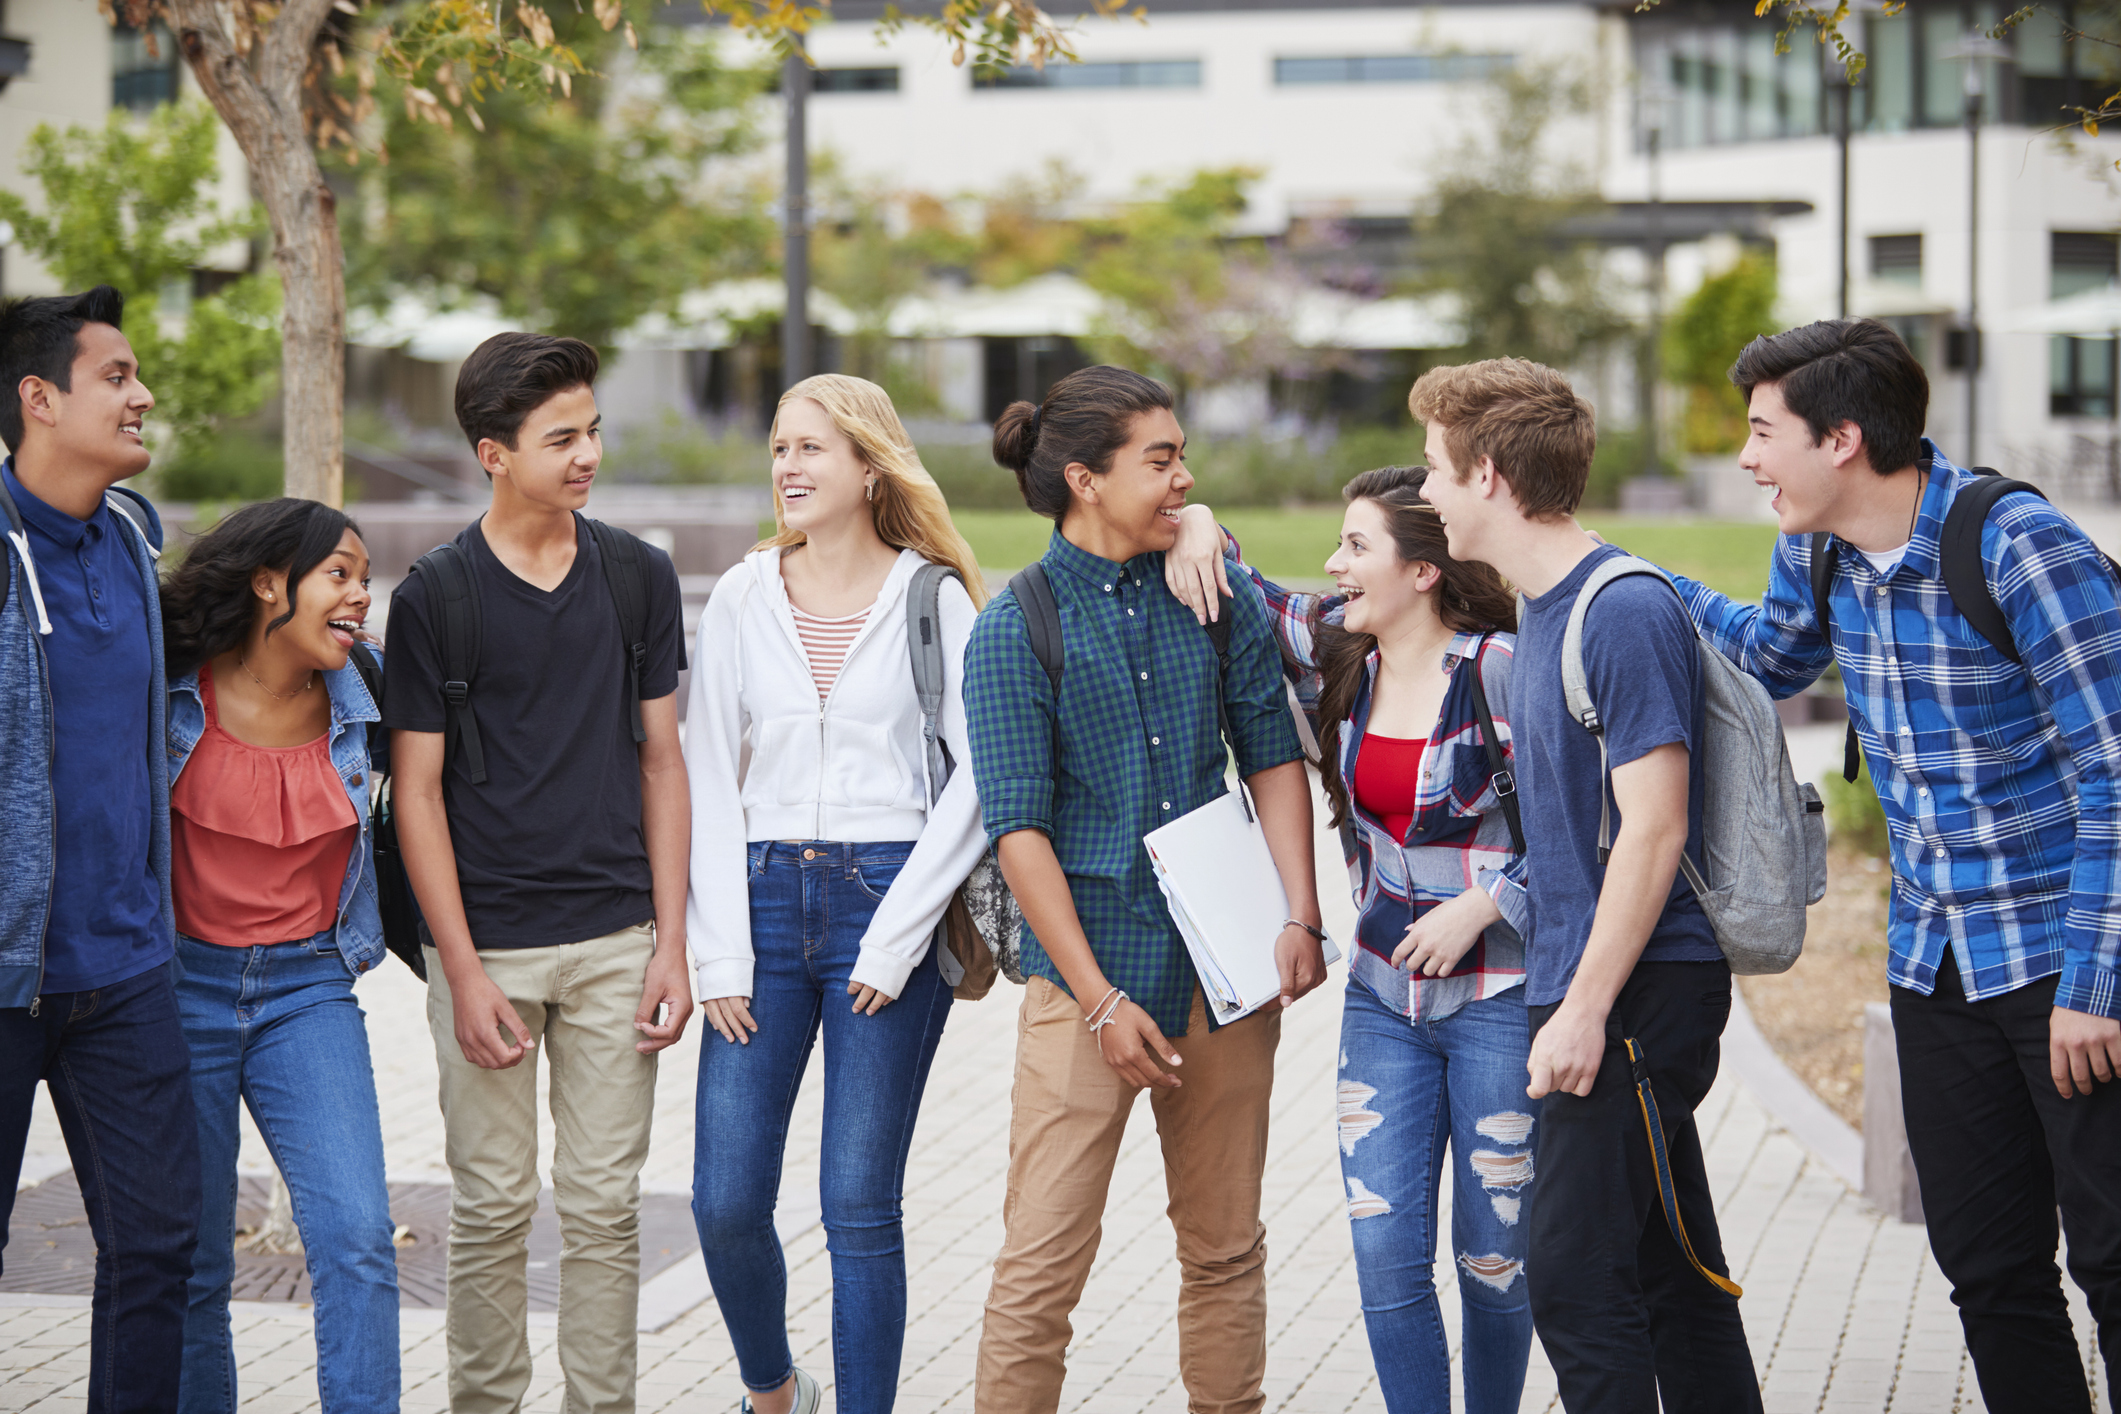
(1068, 1114)
(578, 1000)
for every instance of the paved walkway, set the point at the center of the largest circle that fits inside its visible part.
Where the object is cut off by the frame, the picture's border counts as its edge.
(1844, 1308)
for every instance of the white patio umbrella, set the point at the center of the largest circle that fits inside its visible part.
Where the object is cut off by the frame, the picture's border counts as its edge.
(2094, 314)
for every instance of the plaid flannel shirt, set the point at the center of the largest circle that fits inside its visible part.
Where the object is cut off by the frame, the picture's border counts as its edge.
(1458, 828)
(1138, 748)
(1998, 780)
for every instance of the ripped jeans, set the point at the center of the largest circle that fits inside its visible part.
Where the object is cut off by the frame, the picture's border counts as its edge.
(1408, 1089)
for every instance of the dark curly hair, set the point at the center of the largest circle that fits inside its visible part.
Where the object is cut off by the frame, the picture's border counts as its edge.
(1470, 598)
(207, 606)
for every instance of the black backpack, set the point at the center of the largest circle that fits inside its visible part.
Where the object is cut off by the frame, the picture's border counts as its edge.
(456, 603)
(394, 896)
(1959, 557)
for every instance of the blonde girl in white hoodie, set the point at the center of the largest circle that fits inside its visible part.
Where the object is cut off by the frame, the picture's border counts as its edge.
(819, 874)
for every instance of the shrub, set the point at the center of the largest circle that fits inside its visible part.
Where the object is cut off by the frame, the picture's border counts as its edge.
(1854, 814)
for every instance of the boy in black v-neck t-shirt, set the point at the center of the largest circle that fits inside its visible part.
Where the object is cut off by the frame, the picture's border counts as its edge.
(553, 891)
(549, 849)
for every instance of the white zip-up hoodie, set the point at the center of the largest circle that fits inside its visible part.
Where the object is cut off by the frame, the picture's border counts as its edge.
(850, 769)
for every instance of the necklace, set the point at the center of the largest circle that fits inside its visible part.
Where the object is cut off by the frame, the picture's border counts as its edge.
(283, 696)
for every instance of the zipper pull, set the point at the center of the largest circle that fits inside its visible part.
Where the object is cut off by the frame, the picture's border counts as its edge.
(34, 1003)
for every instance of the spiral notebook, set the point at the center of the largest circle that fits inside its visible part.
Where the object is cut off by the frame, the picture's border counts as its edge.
(1219, 881)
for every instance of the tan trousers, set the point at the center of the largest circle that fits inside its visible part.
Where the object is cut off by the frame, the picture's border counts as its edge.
(578, 1000)
(1068, 1113)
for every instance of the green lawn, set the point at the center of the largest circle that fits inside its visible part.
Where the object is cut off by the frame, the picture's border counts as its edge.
(1293, 545)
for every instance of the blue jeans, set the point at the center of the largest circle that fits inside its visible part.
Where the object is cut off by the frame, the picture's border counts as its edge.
(277, 1028)
(1407, 1089)
(115, 1062)
(807, 920)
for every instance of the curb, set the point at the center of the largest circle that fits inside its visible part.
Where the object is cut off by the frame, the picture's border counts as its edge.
(1788, 1100)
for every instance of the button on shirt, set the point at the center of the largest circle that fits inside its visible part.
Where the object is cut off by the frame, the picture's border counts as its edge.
(106, 911)
(1138, 748)
(1999, 781)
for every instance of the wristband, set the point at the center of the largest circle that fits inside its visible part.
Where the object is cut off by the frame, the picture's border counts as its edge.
(1318, 933)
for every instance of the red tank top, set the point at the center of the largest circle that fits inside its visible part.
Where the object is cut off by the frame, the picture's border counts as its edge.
(259, 837)
(1388, 779)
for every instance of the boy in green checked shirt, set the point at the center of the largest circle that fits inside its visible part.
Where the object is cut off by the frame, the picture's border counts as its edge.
(1137, 747)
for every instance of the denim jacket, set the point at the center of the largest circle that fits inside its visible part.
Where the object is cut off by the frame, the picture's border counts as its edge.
(360, 928)
(28, 813)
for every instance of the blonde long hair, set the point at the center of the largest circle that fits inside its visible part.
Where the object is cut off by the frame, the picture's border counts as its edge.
(909, 508)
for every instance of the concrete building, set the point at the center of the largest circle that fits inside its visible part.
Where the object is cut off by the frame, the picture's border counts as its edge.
(1347, 110)
(62, 64)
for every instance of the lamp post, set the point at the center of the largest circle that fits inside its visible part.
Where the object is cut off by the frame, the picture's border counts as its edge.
(1652, 101)
(1973, 52)
(795, 221)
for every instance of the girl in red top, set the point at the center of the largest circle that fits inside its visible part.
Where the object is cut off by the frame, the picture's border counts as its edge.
(273, 874)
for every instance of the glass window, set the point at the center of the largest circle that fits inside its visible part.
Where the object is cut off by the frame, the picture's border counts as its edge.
(854, 81)
(1391, 68)
(2081, 371)
(1897, 260)
(1131, 73)
(1888, 82)
(2045, 90)
(143, 71)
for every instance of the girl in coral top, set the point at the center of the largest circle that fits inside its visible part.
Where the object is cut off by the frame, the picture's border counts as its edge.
(273, 874)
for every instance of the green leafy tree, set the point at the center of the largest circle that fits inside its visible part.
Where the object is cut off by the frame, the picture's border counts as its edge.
(1703, 339)
(1495, 231)
(132, 206)
(1195, 305)
(577, 215)
(273, 70)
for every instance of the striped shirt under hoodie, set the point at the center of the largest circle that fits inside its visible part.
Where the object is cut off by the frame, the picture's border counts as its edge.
(836, 753)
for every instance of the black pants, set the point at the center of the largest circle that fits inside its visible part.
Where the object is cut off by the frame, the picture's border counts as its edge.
(1624, 1317)
(120, 1078)
(1996, 1150)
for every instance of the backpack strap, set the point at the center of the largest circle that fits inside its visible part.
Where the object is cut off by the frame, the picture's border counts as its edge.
(1218, 629)
(364, 661)
(1034, 595)
(18, 536)
(1575, 685)
(1667, 1195)
(1959, 557)
(620, 553)
(1504, 780)
(1825, 559)
(1042, 623)
(456, 600)
(924, 644)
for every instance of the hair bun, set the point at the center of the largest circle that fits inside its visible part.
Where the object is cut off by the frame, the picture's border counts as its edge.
(1015, 436)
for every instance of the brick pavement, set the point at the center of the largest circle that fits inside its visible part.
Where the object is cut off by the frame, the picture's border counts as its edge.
(1845, 1310)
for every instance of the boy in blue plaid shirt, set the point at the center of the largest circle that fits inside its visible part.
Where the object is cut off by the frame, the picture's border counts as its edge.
(1998, 782)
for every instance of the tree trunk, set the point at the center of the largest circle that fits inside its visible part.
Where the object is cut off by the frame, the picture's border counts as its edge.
(262, 107)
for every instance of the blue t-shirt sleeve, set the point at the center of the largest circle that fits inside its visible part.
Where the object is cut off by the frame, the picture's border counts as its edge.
(1643, 666)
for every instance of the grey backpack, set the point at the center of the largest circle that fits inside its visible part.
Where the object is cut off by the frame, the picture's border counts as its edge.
(1763, 834)
(984, 903)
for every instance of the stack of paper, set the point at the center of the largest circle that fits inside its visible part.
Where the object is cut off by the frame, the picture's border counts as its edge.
(1219, 881)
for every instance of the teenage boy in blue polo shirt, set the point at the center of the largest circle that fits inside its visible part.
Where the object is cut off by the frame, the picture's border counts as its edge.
(86, 932)
(1998, 778)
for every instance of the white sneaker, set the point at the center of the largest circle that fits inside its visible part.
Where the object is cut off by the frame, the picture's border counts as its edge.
(808, 1395)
